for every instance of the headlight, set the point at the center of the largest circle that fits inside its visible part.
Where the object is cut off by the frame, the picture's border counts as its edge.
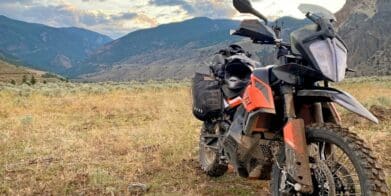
(331, 58)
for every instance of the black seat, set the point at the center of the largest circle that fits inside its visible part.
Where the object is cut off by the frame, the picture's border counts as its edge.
(229, 93)
(263, 73)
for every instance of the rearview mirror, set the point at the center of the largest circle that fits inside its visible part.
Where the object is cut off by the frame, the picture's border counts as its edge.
(244, 6)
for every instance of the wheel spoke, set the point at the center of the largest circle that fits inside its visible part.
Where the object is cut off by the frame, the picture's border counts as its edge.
(212, 147)
(341, 168)
(348, 176)
(337, 166)
(210, 135)
(330, 155)
(335, 171)
(322, 155)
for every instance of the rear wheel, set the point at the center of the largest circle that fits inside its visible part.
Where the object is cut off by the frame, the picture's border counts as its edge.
(209, 155)
(349, 163)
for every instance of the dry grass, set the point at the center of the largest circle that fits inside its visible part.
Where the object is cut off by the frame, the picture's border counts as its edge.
(100, 138)
(375, 94)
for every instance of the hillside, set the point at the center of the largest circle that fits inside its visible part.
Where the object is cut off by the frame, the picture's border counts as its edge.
(172, 51)
(366, 31)
(11, 73)
(172, 44)
(194, 33)
(47, 48)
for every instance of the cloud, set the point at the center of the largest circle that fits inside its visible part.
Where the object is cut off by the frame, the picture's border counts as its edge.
(183, 4)
(112, 17)
(274, 8)
(119, 17)
(213, 8)
(67, 15)
(144, 19)
(209, 8)
(15, 1)
(124, 16)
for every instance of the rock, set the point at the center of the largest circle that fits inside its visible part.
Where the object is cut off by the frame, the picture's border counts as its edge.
(138, 188)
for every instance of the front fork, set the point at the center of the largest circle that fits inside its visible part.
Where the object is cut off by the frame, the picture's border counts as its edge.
(296, 151)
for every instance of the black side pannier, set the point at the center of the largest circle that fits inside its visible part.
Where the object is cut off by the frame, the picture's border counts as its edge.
(207, 96)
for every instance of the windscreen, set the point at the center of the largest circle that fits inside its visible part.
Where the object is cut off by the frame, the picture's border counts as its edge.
(317, 10)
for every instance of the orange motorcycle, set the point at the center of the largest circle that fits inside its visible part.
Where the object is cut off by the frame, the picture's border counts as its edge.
(279, 122)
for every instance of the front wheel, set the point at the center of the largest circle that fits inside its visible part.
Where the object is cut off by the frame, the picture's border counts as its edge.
(340, 162)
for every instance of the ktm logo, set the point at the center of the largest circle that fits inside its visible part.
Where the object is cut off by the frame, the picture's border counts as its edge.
(246, 99)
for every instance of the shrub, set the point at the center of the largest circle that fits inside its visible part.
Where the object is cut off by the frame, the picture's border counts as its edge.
(24, 80)
(33, 80)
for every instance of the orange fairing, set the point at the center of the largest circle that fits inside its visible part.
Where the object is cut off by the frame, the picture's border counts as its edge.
(258, 95)
(234, 102)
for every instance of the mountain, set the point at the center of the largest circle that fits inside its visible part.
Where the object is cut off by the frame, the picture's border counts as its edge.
(4, 56)
(176, 50)
(173, 50)
(47, 48)
(171, 41)
(365, 26)
(194, 33)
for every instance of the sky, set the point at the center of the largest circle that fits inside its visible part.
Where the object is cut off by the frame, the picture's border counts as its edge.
(117, 18)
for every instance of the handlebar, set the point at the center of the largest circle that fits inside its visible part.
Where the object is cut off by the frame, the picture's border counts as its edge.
(259, 15)
(310, 16)
(285, 44)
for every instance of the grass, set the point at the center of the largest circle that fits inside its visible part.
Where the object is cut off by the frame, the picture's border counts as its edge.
(67, 138)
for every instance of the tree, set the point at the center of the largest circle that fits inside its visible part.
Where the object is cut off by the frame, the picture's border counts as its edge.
(33, 80)
(24, 80)
(13, 82)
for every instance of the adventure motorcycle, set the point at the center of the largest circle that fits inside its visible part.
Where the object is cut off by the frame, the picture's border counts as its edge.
(279, 122)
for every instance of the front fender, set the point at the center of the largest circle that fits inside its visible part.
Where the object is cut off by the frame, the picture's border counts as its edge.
(342, 98)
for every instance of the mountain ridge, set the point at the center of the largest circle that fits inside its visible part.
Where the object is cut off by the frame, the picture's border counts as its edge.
(47, 48)
(170, 58)
(176, 50)
(358, 19)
